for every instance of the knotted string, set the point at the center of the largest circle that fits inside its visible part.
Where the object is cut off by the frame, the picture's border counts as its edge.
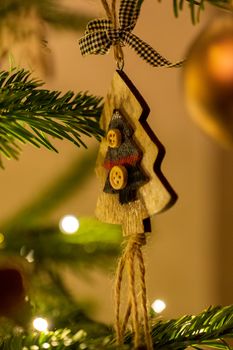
(112, 16)
(131, 257)
(101, 34)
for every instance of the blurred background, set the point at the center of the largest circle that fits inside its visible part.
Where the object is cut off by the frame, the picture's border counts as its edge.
(189, 252)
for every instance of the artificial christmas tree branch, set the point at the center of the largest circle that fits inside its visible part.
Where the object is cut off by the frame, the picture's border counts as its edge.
(94, 244)
(50, 12)
(23, 22)
(55, 15)
(210, 329)
(38, 209)
(46, 111)
(206, 329)
(196, 6)
(28, 114)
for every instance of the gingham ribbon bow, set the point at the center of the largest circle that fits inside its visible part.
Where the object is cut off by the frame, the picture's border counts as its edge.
(100, 35)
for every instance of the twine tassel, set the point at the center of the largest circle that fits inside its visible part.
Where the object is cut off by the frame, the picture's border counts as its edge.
(131, 255)
(126, 318)
(136, 327)
(119, 277)
(144, 300)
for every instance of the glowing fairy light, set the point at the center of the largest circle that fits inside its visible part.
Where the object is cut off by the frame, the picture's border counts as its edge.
(40, 324)
(158, 306)
(69, 224)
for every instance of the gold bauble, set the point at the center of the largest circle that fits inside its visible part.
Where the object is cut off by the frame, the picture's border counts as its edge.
(208, 79)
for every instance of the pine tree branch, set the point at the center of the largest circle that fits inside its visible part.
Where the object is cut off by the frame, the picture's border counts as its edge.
(212, 329)
(206, 329)
(60, 18)
(23, 28)
(95, 243)
(196, 6)
(55, 193)
(29, 114)
(49, 11)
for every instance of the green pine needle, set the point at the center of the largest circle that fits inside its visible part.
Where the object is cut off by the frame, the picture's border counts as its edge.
(29, 114)
(196, 6)
(206, 329)
(49, 11)
(210, 329)
(95, 243)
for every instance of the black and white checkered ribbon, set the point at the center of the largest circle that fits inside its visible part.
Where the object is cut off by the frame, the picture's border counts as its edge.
(100, 35)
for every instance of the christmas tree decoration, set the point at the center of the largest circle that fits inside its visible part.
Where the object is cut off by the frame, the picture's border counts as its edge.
(69, 224)
(208, 79)
(141, 190)
(128, 165)
(128, 162)
(12, 291)
(14, 302)
(40, 324)
(101, 34)
(122, 153)
(132, 190)
(158, 306)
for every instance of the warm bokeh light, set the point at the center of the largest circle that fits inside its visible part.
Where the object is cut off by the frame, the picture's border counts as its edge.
(69, 224)
(158, 306)
(220, 61)
(40, 324)
(2, 238)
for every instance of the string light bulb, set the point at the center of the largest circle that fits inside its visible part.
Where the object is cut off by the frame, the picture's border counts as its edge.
(40, 324)
(158, 306)
(69, 224)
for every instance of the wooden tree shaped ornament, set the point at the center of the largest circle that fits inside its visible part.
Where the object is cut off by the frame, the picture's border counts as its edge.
(133, 189)
(125, 108)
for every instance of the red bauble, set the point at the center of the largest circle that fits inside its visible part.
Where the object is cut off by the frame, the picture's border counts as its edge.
(12, 291)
